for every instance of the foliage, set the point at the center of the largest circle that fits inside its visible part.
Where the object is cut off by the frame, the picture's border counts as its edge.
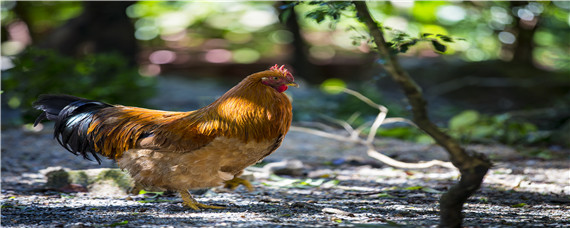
(472, 126)
(400, 42)
(102, 77)
(244, 31)
(485, 23)
(40, 16)
(467, 126)
(249, 30)
(328, 9)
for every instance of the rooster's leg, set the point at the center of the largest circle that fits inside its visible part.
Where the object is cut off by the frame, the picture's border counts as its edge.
(236, 182)
(190, 202)
(136, 189)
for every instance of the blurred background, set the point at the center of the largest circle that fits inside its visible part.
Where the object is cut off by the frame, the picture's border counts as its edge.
(504, 79)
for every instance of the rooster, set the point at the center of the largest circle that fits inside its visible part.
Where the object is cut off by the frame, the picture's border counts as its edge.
(180, 151)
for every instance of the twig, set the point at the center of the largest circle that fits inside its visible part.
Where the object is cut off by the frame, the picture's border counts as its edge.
(369, 142)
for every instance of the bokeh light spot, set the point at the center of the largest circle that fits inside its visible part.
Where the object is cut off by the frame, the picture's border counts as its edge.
(450, 14)
(525, 14)
(218, 56)
(150, 70)
(507, 37)
(162, 57)
(245, 55)
(333, 86)
(281, 37)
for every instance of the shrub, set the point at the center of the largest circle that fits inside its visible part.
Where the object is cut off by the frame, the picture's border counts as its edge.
(105, 77)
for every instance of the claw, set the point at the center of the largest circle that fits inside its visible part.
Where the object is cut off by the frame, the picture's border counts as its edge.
(236, 182)
(189, 201)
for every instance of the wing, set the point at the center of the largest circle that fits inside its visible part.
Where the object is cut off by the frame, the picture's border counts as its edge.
(120, 128)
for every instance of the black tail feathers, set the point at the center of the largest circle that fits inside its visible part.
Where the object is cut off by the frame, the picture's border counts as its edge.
(72, 116)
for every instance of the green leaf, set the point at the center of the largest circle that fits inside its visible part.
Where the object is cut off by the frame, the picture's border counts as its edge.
(425, 139)
(384, 194)
(445, 38)
(438, 46)
(142, 192)
(119, 223)
(284, 16)
(463, 120)
(317, 15)
(426, 34)
(518, 205)
(483, 131)
(413, 188)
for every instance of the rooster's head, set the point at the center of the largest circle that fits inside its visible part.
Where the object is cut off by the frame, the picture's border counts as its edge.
(279, 78)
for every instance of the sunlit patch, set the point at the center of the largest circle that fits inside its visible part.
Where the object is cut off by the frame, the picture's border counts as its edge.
(227, 108)
(173, 22)
(433, 29)
(256, 19)
(12, 47)
(396, 22)
(402, 4)
(450, 14)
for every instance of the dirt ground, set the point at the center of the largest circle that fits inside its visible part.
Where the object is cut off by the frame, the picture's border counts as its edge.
(309, 181)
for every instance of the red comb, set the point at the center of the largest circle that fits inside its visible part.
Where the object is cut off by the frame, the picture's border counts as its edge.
(281, 69)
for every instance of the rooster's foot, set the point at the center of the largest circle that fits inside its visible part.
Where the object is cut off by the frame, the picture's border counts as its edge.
(189, 201)
(236, 182)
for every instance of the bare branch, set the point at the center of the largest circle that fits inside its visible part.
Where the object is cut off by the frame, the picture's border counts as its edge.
(372, 152)
(404, 165)
(323, 134)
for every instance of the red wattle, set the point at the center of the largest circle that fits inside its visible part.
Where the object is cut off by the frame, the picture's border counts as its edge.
(282, 88)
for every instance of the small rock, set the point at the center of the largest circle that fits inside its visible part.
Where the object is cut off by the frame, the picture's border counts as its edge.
(73, 188)
(103, 181)
(57, 177)
(287, 167)
(270, 200)
(330, 210)
(77, 225)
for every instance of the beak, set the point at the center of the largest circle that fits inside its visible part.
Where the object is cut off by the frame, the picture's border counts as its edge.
(294, 84)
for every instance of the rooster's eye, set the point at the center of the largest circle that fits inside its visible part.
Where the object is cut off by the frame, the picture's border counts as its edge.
(275, 78)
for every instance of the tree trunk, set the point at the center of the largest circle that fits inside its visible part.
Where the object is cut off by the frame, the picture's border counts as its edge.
(101, 27)
(472, 166)
(524, 31)
(300, 59)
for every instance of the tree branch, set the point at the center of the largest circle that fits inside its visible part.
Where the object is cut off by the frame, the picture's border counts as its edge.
(472, 167)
